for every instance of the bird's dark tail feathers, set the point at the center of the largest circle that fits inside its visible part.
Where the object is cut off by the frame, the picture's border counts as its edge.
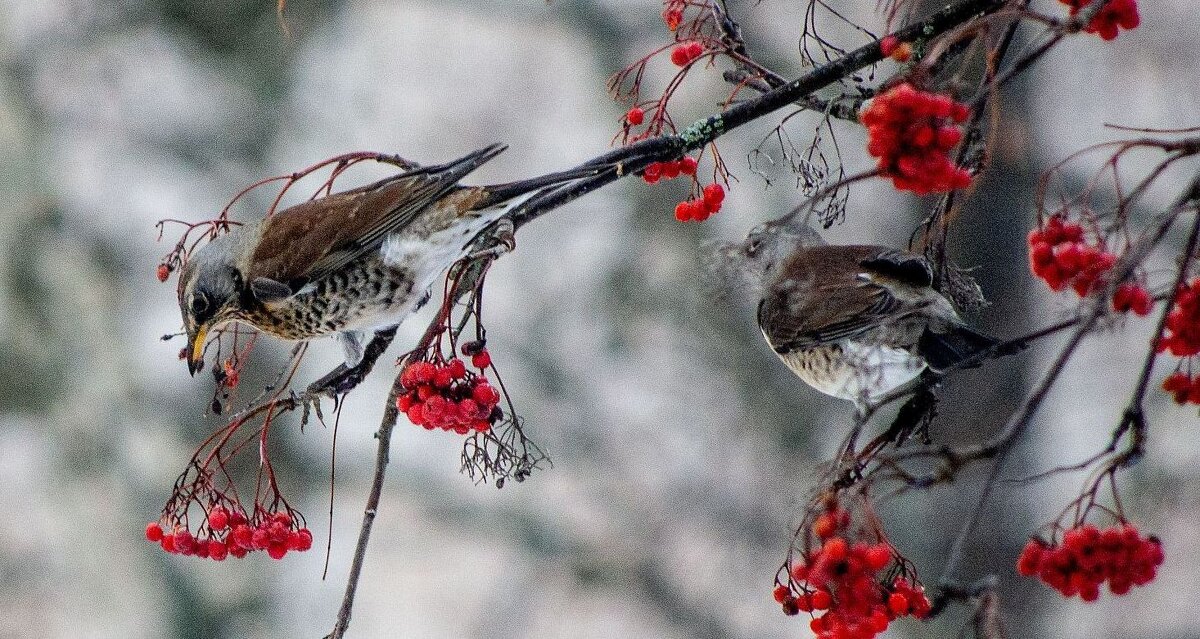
(961, 347)
(500, 193)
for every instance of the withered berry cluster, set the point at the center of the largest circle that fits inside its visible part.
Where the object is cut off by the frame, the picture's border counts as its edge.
(912, 132)
(230, 534)
(848, 581)
(1089, 557)
(446, 395)
(1118, 14)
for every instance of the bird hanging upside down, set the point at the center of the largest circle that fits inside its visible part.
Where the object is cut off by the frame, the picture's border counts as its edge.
(350, 263)
(854, 322)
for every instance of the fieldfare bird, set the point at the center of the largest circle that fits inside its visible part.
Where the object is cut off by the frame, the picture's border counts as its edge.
(350, 263)
(854, 322)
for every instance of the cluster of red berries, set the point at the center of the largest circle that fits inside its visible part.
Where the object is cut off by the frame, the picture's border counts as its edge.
(1088, 557)
(892, 47)
(672, 14)
(1181, 335)
(1059, 254)
(444, 394)
(843, 579)
(701, 208)
(232, 535)
(1183, 387)
(1118, 14)
(656, 171)
(912, 132)
(685, 52)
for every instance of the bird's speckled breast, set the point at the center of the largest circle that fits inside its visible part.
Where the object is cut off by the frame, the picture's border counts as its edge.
(367, 294)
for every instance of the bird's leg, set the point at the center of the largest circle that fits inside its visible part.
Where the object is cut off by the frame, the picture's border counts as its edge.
(344, 378)
(503, 238)
(917, 413)
(914, 417)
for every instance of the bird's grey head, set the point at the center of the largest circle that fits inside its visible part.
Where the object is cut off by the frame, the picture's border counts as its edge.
(751, 263)
(210, 285)
(769, 243)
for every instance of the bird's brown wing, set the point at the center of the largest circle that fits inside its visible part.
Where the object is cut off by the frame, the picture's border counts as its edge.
(821, 295)
(308, 241)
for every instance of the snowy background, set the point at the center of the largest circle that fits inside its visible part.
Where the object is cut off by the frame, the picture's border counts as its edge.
(682, 449)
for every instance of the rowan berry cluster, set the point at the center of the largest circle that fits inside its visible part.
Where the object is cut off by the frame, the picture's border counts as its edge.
(1118, 14)
(685, 52)
(847, 581)
(912, 132)
(701, 208)
(1181, 335)
(1060, 255)
(231, 534)
(1089, 557)
(656, 171)
(1184, 388)
(445, 394)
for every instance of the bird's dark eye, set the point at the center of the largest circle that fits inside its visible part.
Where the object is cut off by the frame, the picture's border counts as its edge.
(200, 305)
(752, 246)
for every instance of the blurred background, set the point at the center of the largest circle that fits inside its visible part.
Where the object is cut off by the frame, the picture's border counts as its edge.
(683, 450)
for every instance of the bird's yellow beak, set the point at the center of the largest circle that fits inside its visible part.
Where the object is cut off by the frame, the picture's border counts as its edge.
(195, 350)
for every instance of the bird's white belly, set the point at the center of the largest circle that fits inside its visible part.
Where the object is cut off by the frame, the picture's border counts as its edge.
(860, 373)
(426, 259)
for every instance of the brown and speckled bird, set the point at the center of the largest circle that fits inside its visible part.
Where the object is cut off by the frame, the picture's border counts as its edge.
(350, 263)
(854, 322)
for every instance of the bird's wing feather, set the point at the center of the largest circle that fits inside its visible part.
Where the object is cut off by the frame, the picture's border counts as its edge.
(311, 240)
(909, 268)
(822, 298)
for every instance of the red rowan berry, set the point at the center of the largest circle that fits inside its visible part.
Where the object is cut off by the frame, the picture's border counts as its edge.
(217, 550)
(218, 518)
(687, 165)
(888, 44)
(670, 170)
(821, 600)
(154, 532)
(825, 525)
(635, 116)
(680, 56)
(652, 172)
(481, 360)
(163, 272)
(878, 557)
(714, 194)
